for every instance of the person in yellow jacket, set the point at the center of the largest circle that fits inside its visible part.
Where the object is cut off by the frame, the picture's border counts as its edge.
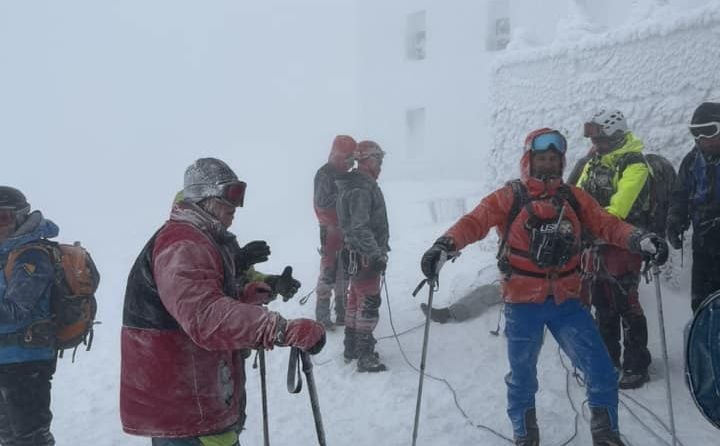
(616, 175)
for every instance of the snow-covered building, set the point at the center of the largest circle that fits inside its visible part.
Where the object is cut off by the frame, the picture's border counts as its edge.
(448, 85)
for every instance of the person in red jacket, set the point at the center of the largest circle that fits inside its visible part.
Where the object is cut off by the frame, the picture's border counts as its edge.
(332, 272)
(539, 221)
(188, 326)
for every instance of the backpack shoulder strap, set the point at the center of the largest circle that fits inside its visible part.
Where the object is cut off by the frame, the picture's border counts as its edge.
(520, 197)
(565, 192)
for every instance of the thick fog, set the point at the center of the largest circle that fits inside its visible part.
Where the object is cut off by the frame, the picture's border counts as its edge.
(103, 104)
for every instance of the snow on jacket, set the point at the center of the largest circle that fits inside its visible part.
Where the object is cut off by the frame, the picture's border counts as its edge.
(325, 196)
(362, 214)
(627, 182)
(184, 330)
(696, 195)
(561, 282)
(25, 297)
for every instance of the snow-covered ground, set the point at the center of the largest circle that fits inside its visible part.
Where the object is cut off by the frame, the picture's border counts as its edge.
(378, 409)
(104, 104)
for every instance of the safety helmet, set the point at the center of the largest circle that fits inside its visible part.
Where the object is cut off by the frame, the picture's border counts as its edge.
(368, 149)
(211, 177)
(606, 123)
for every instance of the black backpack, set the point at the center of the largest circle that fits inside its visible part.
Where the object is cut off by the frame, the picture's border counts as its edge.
(651, 208)
(662, 180)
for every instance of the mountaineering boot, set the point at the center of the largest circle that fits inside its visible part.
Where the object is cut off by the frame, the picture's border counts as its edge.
(601, 428)
(532, 437)
(322, 313)
(350, 342)
(439, 315)
(368, 359)
(633, 379)
(339, 310)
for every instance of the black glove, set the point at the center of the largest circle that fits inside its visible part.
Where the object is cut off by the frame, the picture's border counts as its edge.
(378, 264)
(654, 247)
(254, 252)
(430, 262)
(284, 284)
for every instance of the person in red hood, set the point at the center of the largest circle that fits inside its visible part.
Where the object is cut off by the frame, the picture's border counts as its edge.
(332, 272)
(539, 220)
(188, 326)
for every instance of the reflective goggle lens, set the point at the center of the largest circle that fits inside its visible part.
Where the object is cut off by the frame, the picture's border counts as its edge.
(707, 130)
(547, 141)
(234, 193)
(7, 217)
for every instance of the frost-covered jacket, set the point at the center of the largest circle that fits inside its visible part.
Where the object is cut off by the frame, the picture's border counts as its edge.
(184, 330)
(562, 282)
(696, 195)
(629, 179)
(362, 214)
(25, 297)
(325, 196)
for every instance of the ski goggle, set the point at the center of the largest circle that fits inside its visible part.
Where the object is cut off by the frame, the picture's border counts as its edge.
(7, 217)
(547, 141)
(706, 130)
(233, 193)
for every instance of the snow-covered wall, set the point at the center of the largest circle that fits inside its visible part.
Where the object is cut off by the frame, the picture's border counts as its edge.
(656, 72)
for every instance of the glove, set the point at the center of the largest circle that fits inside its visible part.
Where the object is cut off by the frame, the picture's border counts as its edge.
(284, 284)
(378, 264)
(254, 252)
(305, 334)
(257, 293)
(430, 262)
(653, 246)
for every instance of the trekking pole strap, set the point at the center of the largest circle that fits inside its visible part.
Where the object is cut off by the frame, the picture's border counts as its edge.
(294, 378)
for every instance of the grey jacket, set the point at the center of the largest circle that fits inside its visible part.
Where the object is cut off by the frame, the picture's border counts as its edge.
(362, 214)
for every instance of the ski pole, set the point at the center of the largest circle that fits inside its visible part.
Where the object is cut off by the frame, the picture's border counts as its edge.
(682, 249)
(663, 343)
(294, 385)
(432, 285)
(263, 389)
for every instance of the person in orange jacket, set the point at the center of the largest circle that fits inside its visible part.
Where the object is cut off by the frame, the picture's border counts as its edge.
(539, 220)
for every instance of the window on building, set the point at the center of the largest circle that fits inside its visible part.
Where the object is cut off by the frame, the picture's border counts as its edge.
(498, 29)
(415, 36)
(415, 133)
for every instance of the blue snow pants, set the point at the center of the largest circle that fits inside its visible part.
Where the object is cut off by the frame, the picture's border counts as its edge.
(573, 328)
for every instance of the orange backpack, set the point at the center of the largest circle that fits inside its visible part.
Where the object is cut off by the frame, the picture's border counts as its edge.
(73, 305)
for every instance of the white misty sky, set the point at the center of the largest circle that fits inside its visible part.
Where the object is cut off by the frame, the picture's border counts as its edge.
(109, 101)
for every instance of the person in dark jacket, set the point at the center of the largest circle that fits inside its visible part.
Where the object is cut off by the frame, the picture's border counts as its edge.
(188, 326)
(363, 220)
(27, 353)
(332, 271)
(617, 175)
(696, 199)
(539, 258)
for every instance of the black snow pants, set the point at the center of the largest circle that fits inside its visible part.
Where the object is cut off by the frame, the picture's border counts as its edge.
(25, 404)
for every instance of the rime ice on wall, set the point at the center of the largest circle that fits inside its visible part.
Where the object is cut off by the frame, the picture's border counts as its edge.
(656, 73)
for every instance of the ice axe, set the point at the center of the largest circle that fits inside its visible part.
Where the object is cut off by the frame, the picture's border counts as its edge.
(294, 385)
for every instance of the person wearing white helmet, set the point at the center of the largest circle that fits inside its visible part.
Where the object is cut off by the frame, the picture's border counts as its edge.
(616, 175)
